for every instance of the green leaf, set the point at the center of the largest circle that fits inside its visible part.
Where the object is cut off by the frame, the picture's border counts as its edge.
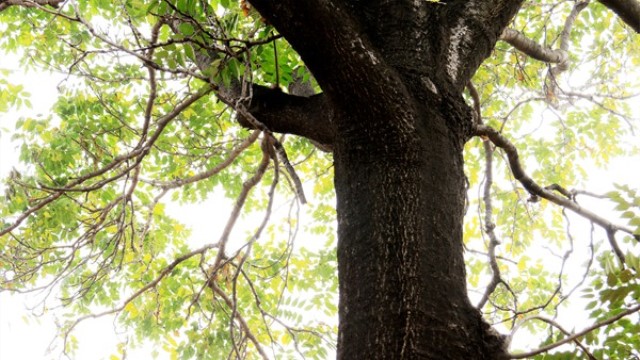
(186, 29)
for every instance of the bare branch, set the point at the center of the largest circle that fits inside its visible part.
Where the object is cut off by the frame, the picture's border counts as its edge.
(532, 48)
(551, 81)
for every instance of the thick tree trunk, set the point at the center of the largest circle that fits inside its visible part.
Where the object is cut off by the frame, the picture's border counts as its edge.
(401, 197)
(392, 75)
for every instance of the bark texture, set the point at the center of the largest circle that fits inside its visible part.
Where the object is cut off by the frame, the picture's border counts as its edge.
(392, 75)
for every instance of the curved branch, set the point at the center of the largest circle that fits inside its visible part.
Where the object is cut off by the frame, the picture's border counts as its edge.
(563, 330)
(627, 10)
(309, 117)
(299, 113)
(536, 190)
(577, 335)
(489, 225)
(531, 48)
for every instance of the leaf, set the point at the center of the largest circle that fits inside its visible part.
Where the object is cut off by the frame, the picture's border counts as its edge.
(186, 29)
(628, 214)
(626, 275)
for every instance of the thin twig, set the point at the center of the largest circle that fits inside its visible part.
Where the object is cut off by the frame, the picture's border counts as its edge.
(577, 335)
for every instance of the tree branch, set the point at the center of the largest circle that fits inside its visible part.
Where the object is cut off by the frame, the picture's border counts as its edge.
(489, 225)
(33, 3)
(563, 330)
(536, 190)
(560, 56)
(309, 117)
(473, 31)
(304, 114)
(340, 56)
(532, 48)
(627, 10)
(577, 335)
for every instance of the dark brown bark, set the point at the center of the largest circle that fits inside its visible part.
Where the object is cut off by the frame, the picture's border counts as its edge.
(401, 266)
(627, 10)
(392, 74)
(310, 117)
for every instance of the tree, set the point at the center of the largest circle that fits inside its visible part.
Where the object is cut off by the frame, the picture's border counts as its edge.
(185, 97)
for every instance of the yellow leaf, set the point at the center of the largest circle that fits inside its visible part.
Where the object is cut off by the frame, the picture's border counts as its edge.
(131, 309)
(172, 341)
(522, 264)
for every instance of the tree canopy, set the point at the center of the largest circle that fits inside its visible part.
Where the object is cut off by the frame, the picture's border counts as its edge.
(168, 103)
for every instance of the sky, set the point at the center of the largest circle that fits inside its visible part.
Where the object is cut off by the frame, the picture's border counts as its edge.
(26, 337)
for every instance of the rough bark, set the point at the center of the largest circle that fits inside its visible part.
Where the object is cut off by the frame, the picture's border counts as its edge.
(392, 74)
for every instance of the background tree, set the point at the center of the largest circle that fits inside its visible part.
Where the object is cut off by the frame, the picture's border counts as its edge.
(171, 101)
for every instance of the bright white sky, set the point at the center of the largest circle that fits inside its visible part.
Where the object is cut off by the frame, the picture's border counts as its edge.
(25, 337)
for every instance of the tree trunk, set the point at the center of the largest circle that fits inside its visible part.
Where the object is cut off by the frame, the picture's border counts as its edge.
(392, 75)
(400, 193)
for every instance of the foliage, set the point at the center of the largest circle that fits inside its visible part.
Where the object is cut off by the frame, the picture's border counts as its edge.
(142, 123)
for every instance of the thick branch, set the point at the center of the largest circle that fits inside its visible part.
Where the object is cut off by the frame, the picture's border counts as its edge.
(473, 31)
(342, 59)
(309, 117)
(627, 10)
(532, 48)
(560, 56)
(321, 32)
